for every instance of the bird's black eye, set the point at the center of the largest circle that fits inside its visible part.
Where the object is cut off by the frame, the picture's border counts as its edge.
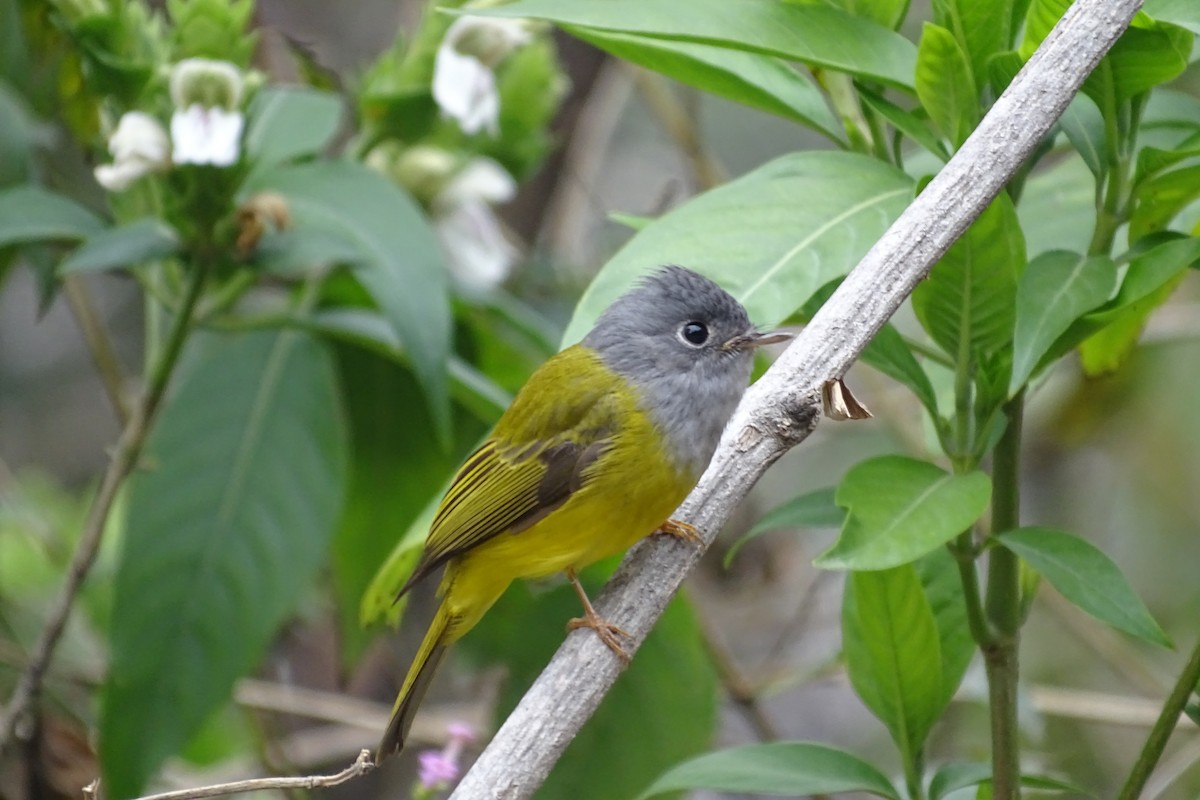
(694, 333)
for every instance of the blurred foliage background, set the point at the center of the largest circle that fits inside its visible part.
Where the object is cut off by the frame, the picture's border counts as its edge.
(753, 653)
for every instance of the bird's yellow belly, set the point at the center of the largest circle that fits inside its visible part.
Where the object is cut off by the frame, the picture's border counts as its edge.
(633, 491)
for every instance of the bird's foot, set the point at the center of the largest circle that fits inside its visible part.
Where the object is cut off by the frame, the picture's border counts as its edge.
(684, 531)
(608, 632)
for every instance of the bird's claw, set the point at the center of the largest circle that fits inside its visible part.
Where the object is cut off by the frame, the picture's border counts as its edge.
(608, 632)
(684, 531)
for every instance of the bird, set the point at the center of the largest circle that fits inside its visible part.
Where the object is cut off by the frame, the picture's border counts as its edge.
(597, 449)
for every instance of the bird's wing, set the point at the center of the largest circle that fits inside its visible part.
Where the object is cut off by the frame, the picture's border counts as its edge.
(558, 425)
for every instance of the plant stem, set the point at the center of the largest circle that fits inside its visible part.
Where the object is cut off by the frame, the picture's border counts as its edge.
(914, 768)
(963, 550)
(99, 345)
(1004, 610)
(844, 99)
(124, 459)
(1152, 751)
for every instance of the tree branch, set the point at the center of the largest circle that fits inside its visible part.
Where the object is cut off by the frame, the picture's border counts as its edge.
(781, 409)
(124, 459)
(361, 766)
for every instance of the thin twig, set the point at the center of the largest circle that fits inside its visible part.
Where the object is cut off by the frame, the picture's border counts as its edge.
(99, 345)
(124, 458)
(781, 409)
(361, 766)
(740, 690)
(1164, 726)
(1172, 769)
(677, 123)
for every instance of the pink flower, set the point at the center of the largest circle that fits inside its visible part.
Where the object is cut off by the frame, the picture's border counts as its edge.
(436, 771)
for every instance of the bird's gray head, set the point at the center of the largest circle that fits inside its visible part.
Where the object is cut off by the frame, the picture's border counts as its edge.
(687, 347)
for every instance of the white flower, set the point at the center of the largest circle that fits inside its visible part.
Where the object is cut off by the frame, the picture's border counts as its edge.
(139, 146)
(207, 82)
(481, 179)
(206, 135)
(206, 127)
(464, 85)
(480, 256)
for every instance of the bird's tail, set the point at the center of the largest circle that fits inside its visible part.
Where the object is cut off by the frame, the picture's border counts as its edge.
(416, 683)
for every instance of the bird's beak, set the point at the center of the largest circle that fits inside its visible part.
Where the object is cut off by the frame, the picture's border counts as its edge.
(753, 338)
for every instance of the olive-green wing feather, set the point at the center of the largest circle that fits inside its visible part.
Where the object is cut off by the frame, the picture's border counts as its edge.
(558, 425)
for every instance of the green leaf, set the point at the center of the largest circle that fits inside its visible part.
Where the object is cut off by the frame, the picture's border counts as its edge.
(771, 238)
(1152, 161)
(907, 122)
(888, 13)
(1149, 53)
(780, 768)
(940, 579)
(661, 710)
(1083, 124)
(982, 31)
(944, 84)
(380, 602)
(961, 775)
(818, 35)
(635, 222)
(900, 509)
(391, 435)
(31, 214)
(293, 252)
(1056, 289)
(971, 291)
(892, 650)
(399, 262)
(813, 510)
(18, 132)
(226, 529)
(1110, 332)
(1148, 272)
(1158, 200)
(758, 81)
(890, 354)
(1002, 68)
(1184, 13)
(1058, 208)
(287, 122)
(474, 390)
(125, 247)
(1087, 577)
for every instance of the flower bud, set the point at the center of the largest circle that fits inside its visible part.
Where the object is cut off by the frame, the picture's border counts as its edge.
(487, 39)
(422, 170)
